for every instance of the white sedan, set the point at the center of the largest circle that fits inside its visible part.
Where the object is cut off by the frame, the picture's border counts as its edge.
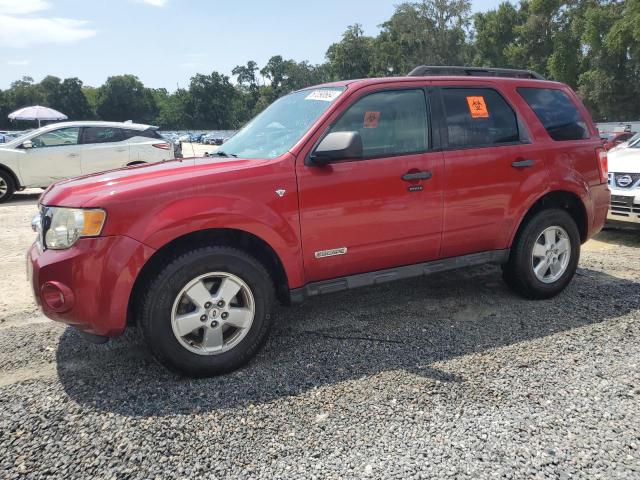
(70, 149)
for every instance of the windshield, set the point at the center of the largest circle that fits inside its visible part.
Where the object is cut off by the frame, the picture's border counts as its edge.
(634, 142)
(282, 124)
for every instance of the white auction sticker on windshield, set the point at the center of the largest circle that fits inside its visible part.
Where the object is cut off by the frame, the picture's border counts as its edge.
(324, 95)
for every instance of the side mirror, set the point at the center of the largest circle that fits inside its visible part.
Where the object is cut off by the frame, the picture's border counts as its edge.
(337, 146)
(27, 144)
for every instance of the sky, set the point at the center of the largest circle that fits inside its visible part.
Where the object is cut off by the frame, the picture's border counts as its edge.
(166, 42)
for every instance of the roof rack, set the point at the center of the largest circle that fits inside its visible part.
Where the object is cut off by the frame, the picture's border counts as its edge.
(427, 71)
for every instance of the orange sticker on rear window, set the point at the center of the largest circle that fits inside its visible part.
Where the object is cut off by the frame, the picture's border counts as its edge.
(477, 107)
(371, 119)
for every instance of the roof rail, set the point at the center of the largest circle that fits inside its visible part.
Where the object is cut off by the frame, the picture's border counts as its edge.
(427, 71)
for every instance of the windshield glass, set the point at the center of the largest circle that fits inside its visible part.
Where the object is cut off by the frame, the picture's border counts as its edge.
(282, 124)
(634, 142)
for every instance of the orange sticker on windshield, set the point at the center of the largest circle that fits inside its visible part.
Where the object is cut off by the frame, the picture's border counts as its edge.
(477, 107)
(371, 119)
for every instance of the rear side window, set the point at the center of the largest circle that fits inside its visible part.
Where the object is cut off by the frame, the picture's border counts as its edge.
(148, 133)
(101, 135)
(390, 123)
(557, 112)
(478, 117)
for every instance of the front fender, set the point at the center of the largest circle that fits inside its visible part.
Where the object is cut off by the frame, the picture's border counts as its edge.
(278, 228)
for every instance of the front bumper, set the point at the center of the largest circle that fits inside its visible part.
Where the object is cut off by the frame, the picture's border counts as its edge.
(98, 272)
(625, 206)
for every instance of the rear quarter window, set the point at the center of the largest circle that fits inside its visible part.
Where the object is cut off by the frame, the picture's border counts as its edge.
(557, 113)
(148, 133)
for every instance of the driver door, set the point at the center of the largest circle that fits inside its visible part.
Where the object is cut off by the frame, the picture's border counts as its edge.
(53, 156)
(382, 210)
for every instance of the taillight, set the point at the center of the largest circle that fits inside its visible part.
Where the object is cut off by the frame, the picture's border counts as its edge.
(603, 164)
(163, 146)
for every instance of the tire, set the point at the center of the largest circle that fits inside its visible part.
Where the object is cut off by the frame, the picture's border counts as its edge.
(168, 311)
(548, 227)
(7, 186)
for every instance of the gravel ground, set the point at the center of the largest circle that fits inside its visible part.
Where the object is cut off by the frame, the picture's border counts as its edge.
(448, 376)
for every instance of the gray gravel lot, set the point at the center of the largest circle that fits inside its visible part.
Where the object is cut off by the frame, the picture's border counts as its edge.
(448, 376)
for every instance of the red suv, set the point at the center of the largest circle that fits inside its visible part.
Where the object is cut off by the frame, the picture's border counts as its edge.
(330, 188)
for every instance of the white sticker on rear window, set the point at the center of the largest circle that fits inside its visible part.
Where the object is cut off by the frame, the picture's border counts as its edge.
(324, 95)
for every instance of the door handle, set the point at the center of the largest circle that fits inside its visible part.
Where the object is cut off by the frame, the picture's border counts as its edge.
(73, 155)
(523, 163)
(407, 177)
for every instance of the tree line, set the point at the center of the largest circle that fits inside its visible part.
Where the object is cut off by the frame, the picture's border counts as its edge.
(592, 45)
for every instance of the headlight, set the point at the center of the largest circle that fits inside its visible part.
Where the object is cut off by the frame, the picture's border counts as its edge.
(67, 225)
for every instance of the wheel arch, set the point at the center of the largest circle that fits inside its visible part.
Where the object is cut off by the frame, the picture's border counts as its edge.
(240, 239)
(562, 199)
(13, 175)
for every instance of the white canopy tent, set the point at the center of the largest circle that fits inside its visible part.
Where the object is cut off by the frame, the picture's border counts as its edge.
(37, 113)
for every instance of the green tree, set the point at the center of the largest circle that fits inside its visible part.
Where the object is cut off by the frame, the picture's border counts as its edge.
(24, 93)
(430, 32)
(249, 87)
(172, 109)
(494, 31)
(66, 96)
(124, 97)
(211, 101)
(610, 82)
(351, 57)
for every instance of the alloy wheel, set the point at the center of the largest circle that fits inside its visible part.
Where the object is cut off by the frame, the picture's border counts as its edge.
(4, 188)
(551, 254)
(213, 313)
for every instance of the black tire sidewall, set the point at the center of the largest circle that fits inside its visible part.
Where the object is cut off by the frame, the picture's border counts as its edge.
(521, 269)
(11, 187)
(158, 304)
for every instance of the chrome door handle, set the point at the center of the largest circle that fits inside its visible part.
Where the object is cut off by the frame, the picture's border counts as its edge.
(523, 163)
(408, 177)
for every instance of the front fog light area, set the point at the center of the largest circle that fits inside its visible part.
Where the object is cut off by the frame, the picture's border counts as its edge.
(67, 225)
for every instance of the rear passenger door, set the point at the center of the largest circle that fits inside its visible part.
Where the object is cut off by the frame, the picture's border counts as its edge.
(103, 149)
(491, 168)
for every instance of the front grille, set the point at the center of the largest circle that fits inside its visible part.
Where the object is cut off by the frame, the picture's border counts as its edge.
(624, 180)
(624, 206)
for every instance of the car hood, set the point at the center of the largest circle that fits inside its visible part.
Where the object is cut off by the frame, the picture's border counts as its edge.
(625, 160)
(96, 189)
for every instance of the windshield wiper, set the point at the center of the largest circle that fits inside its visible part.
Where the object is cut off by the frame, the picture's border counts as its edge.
(220, 153)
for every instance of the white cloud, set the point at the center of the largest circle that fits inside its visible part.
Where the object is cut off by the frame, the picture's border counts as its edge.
(18, 32)
(19, 7)
(155, 3)
(18, 63)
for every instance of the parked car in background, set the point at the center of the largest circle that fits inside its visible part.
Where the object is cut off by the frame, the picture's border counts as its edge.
(626, 143)
(614, 139)
(69, 149)
(624, 183)
(190, 137)
(332, 187)
(215, 138)
(174, 138)
(6, 136)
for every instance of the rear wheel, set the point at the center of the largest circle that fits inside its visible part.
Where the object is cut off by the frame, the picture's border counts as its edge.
(7, 186)
(544, 256)
(208, 312)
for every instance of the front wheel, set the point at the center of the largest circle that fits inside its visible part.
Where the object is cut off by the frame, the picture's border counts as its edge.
(208, 312)
(7, 186)
(544, 256)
